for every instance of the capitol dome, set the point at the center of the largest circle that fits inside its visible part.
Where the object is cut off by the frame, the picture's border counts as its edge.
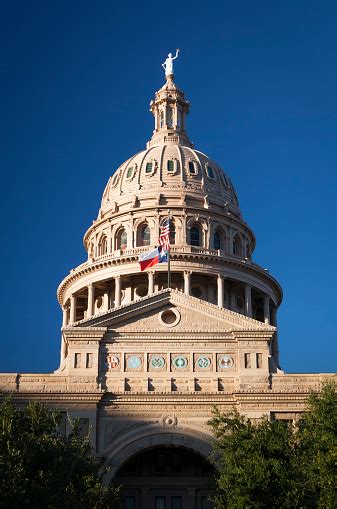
(168, 169)
(211, 246)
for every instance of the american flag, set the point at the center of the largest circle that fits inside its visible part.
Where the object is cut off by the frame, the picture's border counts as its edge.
(164, 236)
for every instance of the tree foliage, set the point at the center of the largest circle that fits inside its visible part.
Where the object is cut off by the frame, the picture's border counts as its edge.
(40, 469)
(270, 465)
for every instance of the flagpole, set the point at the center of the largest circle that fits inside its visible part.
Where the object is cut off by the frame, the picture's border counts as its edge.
(168, 255)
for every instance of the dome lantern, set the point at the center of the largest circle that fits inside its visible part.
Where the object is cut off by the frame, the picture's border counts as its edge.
(169, 109)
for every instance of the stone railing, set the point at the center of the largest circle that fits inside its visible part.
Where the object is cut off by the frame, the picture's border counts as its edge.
(136, 251)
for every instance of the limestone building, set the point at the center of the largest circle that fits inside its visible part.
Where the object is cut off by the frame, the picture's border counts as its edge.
(143, 364)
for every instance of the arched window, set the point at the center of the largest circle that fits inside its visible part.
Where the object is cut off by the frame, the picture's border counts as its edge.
(144, 235)
(161, 119)
(237, 246)
(172, 233)
(121, 239)
(217, 244)
(102, 246)
(169, 117)
(195, 236)
(248, 251)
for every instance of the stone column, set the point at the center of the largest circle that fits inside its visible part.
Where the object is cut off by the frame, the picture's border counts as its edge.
(63, 349)
(118, 286)
(266, 309)
(64, 316)
(150, 282)
(248, 300)
(220, 291)
(106, 300)
(187, 282)
(73, 308)
(91, 300)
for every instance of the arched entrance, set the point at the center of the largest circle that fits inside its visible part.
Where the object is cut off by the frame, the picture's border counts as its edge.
(166, 477)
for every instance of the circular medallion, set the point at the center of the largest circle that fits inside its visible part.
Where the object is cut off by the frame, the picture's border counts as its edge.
(134, 362)
(203, 362)
(157, 362)
(225, 361)
(180, 362)
(112, 361)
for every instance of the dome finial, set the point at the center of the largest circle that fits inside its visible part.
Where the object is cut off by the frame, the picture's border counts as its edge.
(168, 64)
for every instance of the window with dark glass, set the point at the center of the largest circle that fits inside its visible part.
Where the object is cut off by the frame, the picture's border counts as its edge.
(172, 234)
(160, 503)
(148, 168)
(225, 181)
(129, 503)
(161, 119)
(170, 165)
(210, 172)
(145, 236)
(103, 245)
(236, 246)
(195, 236)
(176, 502)
(192, 168)
(122, 239)
(169, 117)
(206, 503)
(217, 240)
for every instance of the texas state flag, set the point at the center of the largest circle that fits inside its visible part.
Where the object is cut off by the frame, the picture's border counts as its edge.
(151, 258)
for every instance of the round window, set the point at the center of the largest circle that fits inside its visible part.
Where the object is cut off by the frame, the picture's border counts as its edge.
(169, 317)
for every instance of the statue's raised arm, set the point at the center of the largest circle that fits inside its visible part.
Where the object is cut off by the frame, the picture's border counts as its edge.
(168, 64)
(177, 53)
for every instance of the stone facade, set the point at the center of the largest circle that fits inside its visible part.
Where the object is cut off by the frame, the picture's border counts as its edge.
(142, 364)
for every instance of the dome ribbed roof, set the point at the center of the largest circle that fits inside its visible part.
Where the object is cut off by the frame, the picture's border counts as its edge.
(168, 167)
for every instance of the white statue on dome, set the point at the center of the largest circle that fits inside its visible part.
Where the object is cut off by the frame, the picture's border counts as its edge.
(168, 64)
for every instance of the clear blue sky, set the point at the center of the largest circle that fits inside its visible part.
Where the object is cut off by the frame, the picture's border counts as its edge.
(77, 78)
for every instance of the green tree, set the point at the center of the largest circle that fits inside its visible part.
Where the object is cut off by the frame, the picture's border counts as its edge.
(315, 455)
(270, 465)
(40, 469)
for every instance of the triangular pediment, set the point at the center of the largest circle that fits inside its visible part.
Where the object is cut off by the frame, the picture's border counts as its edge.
(171, 310)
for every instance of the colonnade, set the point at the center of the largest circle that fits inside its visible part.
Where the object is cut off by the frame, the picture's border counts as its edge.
(113, 299)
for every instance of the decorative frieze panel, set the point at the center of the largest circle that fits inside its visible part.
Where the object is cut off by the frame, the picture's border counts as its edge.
(203, 362)
(134, 362)
(157, 362)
